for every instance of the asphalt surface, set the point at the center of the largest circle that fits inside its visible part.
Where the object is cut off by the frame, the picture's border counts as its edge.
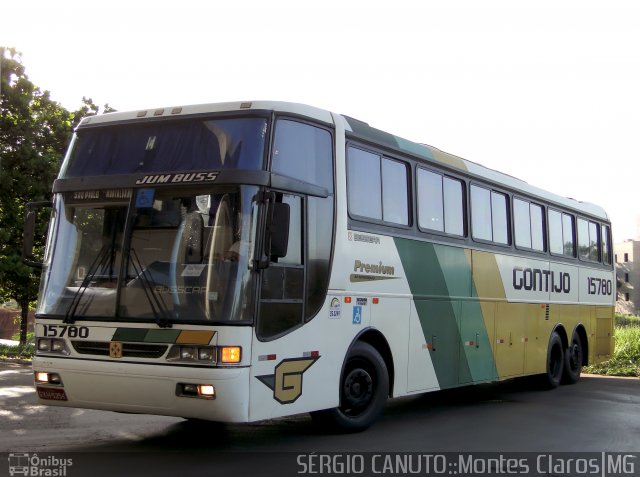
(599, 414)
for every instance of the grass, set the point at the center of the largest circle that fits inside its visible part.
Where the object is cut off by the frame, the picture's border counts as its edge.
(626, 356)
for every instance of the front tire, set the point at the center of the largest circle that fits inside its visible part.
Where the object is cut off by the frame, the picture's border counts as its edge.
(364, 388)
(573, 361)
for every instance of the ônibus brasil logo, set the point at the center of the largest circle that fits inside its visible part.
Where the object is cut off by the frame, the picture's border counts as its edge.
(23, 463)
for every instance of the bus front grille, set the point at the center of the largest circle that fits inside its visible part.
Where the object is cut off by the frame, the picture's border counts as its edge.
(129, 350)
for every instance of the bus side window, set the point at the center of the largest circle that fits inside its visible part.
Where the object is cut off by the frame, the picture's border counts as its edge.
(588, 240)
(489, 215)
(528, 223)
(606, 244)
(282, 294)
(304, 152)
(364, 183)
(377, 187)
(561, 233)
(440, 203)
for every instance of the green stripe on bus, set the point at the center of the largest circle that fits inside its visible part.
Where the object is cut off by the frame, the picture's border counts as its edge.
(162, 336)
(139, 335)
(129, 334)
(440, 281)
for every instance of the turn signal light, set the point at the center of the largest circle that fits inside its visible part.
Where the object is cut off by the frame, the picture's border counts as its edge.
(230, 354)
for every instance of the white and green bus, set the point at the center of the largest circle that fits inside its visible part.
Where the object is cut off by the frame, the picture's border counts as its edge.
(237, 262)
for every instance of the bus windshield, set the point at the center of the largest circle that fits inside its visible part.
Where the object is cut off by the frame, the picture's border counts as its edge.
(167, 255)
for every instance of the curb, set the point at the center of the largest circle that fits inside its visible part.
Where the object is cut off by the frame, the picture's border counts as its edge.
(16, 361)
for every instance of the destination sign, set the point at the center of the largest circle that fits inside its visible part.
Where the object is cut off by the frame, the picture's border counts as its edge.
(106, 195)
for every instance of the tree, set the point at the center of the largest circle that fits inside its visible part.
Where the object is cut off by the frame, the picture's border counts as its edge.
(34, 133)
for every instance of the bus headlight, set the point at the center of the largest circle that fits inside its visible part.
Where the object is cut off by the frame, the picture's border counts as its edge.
(198, 354)
(58, 346)
(44, 344)
(187, 353)
(52, 345)
(205, 354)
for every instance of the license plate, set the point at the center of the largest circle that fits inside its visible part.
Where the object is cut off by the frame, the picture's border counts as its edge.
(52, 394)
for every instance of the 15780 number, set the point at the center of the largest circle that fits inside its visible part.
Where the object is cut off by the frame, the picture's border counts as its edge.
(60, 331)
(599, 286)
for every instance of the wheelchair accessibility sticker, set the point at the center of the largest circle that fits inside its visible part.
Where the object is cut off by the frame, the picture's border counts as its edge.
(357, 315)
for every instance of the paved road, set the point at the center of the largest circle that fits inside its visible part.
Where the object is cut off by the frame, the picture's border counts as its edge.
(598, 414)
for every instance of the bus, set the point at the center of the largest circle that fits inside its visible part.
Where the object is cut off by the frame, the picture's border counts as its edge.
(244, 261)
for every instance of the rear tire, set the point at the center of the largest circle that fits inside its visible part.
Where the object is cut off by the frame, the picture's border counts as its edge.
(555, 362)
(573, 361)
(364, 388)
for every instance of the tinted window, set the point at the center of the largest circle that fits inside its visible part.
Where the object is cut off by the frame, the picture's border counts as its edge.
(304, 152)
(430, 207)
(561, 233)
(180, 145)
(395, 203)
(537, 227)
(320, 234)
(594, 242)
(522, 223)
(555, 232)
(440, 203)
(528, 223)
(588, 240)
(377, 187)
(364, 184)
(499, 218)
(481, 213)
(453, 206)
(606, 245)
(568, 235)
(489, 217)
(583, 238)
(283, 282)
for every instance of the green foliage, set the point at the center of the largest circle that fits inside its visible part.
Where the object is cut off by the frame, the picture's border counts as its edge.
(34, 130)
(30, 336)
(626, 356)
(627, 320)
(22, 351)
(34, 133)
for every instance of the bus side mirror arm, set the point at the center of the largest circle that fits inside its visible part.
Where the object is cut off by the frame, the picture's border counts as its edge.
(29, 232)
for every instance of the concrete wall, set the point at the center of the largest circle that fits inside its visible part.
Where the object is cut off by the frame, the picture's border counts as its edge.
(7, 326)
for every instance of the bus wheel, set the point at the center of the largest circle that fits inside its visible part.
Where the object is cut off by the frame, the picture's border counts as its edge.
(573, 361)
(364, 387)
(555, 362)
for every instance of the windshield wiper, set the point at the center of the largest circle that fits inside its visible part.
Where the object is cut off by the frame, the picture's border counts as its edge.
(156, 303)
(101, 259)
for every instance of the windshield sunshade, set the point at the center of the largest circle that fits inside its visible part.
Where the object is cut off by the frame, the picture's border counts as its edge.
(184, 145)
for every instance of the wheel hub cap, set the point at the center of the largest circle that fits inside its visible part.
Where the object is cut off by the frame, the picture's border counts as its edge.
(358, 388)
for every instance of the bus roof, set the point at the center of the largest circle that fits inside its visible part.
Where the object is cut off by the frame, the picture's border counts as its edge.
(363, 131)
